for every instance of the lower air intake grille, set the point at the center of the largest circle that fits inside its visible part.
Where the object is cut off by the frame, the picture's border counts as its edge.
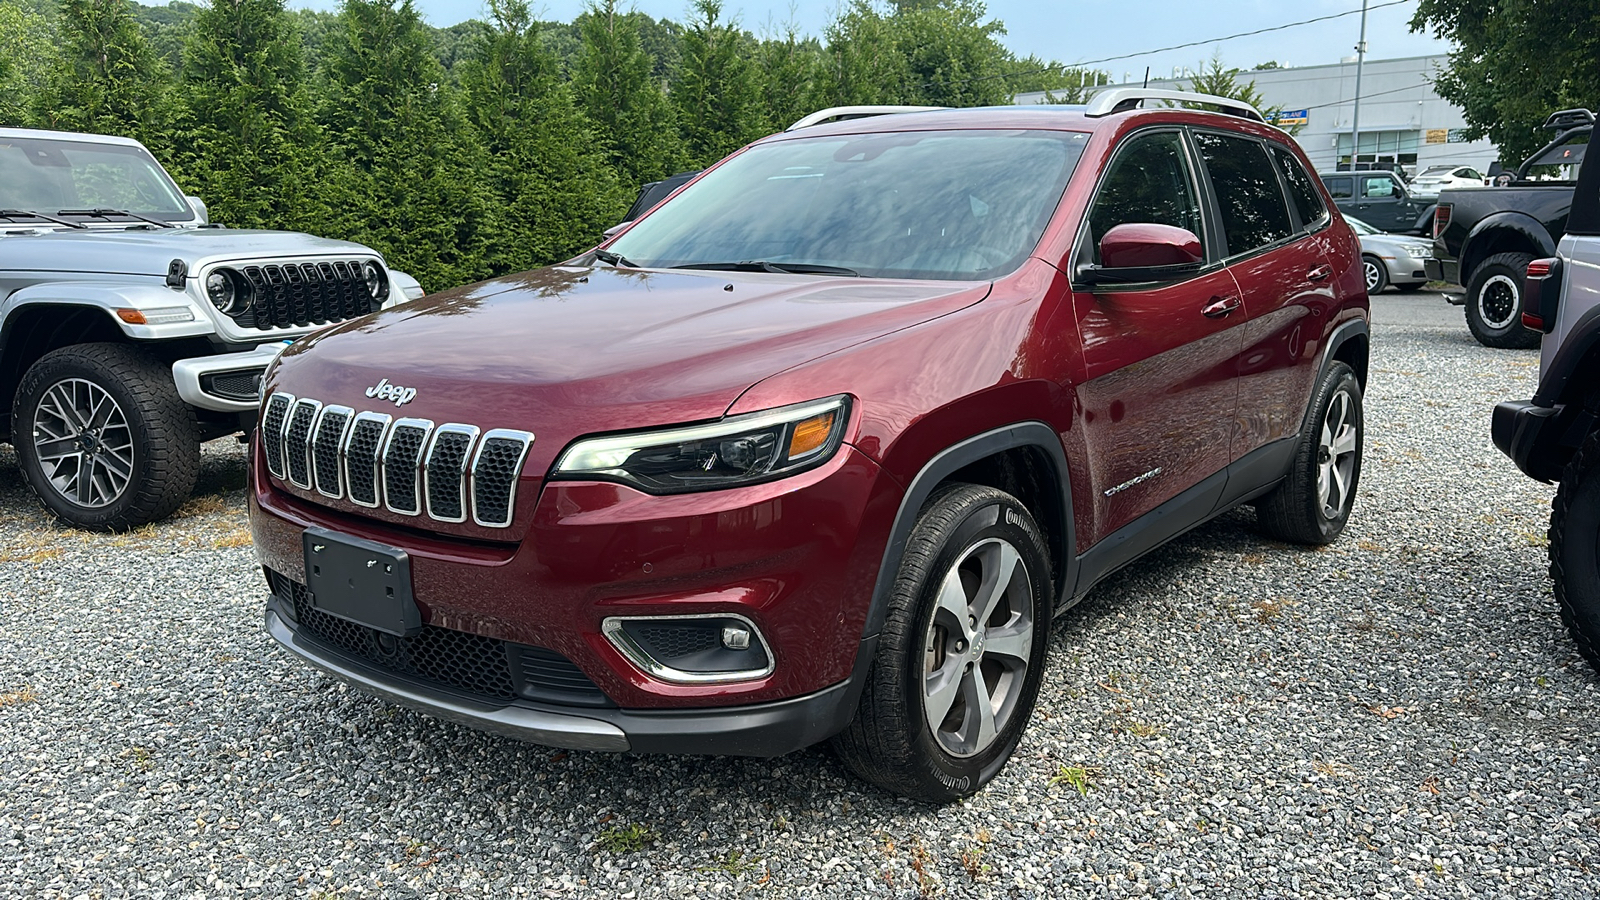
(243, 386)
(470, 663)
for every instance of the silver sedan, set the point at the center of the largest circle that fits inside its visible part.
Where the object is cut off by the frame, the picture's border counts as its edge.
(1391, 259)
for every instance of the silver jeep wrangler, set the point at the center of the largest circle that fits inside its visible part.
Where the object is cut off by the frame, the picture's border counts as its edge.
(131, 330)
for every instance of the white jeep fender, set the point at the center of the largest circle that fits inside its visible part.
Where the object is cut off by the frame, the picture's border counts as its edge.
(169, 313)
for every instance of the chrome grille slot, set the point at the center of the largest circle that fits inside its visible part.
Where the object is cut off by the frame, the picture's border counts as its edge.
(444, 472)
(450, 473)
(297, 441)
(326, 440)
(495, 469)
(273, 420)
(360, 451)
(402, 465)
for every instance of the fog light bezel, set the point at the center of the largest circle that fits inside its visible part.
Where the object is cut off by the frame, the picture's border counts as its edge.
(615, 633)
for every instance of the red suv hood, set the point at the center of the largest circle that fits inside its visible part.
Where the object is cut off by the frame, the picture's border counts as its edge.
(567, 351)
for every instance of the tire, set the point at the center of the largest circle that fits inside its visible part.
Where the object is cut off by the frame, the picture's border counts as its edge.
(1313, 503)
(1375, 273)
(142, 456)
(1494, 302)
(1574, 542)
(929, 644)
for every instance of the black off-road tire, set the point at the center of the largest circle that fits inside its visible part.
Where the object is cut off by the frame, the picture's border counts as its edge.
(1503, 276)
(890, 743)
(1375, 274)
(164, 436)
(1296, 510)
(1574, 546)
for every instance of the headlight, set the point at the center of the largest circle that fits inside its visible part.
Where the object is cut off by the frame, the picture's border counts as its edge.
(376, 284)
(736, 451)
(223, 290)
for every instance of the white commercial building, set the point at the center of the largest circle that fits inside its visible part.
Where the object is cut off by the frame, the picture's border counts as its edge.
(1404, 121)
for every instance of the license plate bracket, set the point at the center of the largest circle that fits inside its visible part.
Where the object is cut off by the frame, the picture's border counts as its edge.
(361, 581)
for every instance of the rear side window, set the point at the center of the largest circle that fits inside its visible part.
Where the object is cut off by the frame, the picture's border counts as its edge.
(1249, 197)
(1302, 192)
(1148, 182)
(1338, 187)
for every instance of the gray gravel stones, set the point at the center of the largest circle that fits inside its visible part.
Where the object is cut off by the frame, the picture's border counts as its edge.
(1399, 714)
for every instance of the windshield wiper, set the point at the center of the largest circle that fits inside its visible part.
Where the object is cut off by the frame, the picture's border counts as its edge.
(108, 213)
(761, 265)
(30, 214)
(615, 259)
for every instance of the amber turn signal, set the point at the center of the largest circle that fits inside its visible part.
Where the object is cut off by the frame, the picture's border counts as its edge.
(810, 435)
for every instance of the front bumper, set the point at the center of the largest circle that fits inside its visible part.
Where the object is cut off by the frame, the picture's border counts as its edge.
(764, 730)
(221, 382)
(1530, 434)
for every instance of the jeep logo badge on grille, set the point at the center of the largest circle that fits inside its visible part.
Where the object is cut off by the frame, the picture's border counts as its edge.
(383, 390)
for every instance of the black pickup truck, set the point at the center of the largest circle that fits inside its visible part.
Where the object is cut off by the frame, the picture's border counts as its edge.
(1484, 237)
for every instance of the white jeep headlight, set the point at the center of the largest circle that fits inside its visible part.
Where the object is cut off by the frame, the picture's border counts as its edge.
(735, 451)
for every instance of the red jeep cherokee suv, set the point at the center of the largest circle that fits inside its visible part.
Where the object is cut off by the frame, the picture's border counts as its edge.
(820, 446)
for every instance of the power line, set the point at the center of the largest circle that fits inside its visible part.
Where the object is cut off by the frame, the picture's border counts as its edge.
(1093, 62)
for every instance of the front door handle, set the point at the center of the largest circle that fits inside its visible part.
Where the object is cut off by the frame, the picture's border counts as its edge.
(1320, 273)
(1220, 307)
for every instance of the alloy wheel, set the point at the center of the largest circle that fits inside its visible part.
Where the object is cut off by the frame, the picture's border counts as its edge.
(1369, 269)
(978, 647)
(83, 443)
(1336, 456)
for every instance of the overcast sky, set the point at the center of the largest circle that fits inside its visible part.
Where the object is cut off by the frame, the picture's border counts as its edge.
(1084, 30)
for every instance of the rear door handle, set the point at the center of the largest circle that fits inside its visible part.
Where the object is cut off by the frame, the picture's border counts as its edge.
(1220, 307)
(1320, 273)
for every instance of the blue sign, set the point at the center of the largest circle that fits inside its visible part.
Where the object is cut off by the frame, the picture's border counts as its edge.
(1292, 117)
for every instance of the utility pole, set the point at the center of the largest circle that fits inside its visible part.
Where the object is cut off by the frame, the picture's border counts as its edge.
(1355, 117)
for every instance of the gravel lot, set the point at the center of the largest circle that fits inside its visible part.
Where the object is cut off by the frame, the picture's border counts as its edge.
(1398, 714)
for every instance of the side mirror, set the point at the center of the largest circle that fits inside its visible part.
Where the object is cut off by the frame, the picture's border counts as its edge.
(1142, 251)
(1398, 192)
(610, 232)
(199, 207)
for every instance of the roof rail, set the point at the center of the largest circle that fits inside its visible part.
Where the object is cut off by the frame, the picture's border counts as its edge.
(854, 112)
(1123, 99)
(1568, 118)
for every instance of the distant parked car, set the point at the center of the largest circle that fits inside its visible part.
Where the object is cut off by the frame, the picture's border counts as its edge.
(1380, 199)
(1391, 259)
(1436, 178)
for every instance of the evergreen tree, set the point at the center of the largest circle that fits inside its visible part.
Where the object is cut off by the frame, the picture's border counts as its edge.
(630, 111)
(864, 62)
(249, 143)
(791, 69)
(407, 178)
(557, 190)
(107, 79)
(1220, 81)
(717, 95)
(953, 57)
(27, 55)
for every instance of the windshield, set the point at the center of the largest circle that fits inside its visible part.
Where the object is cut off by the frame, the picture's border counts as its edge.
(963, 205)
(49, 176)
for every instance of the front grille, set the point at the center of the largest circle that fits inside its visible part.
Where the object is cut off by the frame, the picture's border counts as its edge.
(477, 665)
(325, 446)
(296, 441)
(406, 466)
(272, 423)
(300, 295)
(402, 464)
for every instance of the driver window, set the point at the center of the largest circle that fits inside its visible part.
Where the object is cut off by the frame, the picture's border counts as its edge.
(1378, 188)
(1150, 181)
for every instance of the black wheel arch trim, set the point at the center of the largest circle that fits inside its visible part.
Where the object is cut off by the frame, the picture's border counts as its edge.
(949, 461)
(1506, 220)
